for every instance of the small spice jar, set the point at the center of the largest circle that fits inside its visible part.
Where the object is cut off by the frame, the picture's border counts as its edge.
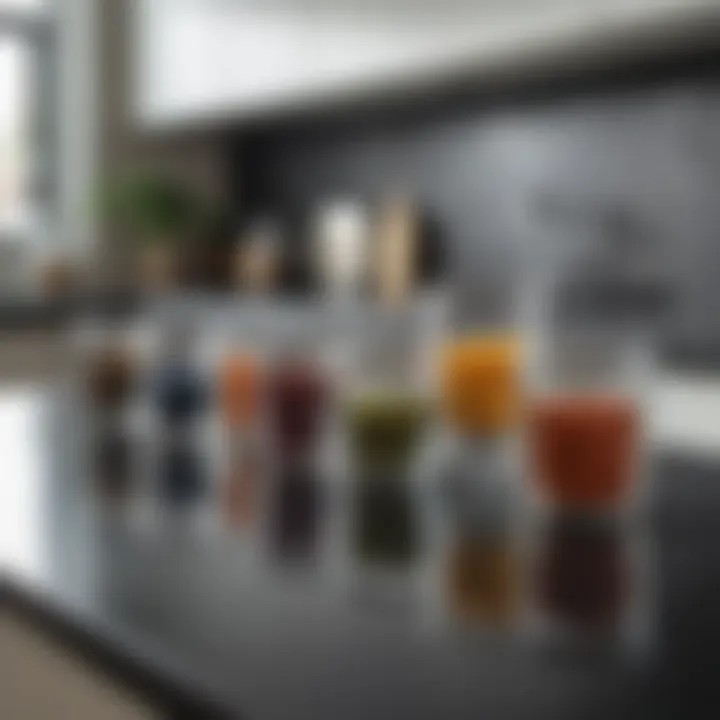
(258, 259)
(298, 392)
(585, 420)
(110, 377)
(180, 391)
(386, 412)
(241, 382)
(481, 383)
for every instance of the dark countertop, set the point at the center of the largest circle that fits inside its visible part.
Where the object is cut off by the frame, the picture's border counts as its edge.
(205, 625)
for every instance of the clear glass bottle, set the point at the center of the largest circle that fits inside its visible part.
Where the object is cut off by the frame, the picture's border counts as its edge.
(388, 409)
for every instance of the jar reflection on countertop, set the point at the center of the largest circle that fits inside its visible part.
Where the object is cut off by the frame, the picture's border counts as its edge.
(296, 512)
(484, 578)
(583, 573)
(483, 570)
(385, 523)
(112, 455)
(241, 487)
(182, 480)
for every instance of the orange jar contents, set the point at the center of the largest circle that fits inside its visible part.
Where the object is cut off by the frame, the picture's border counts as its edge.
(481, 387)
(240, 389)
(584, 447)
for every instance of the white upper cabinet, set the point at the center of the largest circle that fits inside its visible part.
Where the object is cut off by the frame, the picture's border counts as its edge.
(201, 60)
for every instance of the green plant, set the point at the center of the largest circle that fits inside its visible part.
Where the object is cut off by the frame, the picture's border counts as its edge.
(152, 208)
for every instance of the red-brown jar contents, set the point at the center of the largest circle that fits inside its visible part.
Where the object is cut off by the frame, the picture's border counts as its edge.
(110, 378)
(584, 448)
(584, 576)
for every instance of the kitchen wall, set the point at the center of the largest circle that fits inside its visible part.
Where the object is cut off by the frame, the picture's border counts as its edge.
(631, 165)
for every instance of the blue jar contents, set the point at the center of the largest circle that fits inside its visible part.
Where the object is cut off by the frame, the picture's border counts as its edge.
(181, 394)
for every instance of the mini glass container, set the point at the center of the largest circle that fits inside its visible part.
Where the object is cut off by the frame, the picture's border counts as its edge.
(110, 376)
(258, 258)
(387, 410)
(180, 389)
(481, 383)
(586, 417)
(241, 379)
(298, 395)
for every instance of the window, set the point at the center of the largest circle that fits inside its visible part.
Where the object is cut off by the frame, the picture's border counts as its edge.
(14, 136)
(25, 150)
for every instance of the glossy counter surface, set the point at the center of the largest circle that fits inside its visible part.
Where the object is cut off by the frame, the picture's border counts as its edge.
(202, 613)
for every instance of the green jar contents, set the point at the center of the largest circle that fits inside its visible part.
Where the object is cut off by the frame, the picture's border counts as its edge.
(385, 429)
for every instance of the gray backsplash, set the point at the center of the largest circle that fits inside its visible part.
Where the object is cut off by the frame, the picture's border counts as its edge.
(629, 180)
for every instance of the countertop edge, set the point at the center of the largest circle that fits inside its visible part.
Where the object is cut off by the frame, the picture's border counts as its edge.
(163, 690)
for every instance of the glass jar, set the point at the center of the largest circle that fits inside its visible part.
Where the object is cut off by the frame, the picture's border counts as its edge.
(387, 412)
(586, 416)
(111, 376)
(298, 396)
(241, 379)
(481, 383)
(258, 258)
(180, 389)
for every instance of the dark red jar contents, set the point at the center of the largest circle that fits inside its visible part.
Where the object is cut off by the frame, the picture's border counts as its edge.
(297, 400)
